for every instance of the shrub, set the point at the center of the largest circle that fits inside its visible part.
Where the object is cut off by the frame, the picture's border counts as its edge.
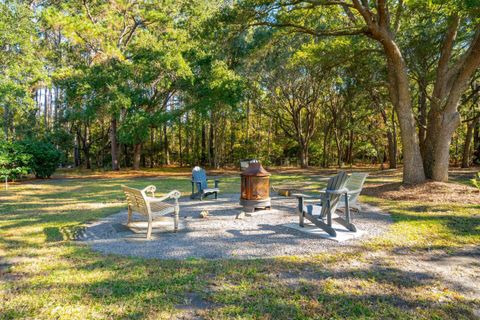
(14, 160)
(476, 181)
(45, 158)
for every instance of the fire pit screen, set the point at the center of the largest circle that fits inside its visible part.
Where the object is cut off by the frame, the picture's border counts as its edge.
(255, 192)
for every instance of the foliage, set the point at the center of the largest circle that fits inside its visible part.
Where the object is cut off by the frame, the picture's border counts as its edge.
(15, 161)
(476, 181)
(20, 63)
(44, 157)
(211, 82)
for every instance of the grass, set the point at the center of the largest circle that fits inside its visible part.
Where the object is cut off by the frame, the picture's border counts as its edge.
(44, 275)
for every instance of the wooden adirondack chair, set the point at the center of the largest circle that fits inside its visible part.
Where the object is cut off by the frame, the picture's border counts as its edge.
(322, 214)
(200, 183)
(354, 185)
(139, 202)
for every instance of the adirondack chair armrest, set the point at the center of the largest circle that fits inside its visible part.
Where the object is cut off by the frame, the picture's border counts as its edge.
(175, 194)
(305, 198)
(150, 189)
(340, 191)
(215, 179)
(354, 191)
(196, 182)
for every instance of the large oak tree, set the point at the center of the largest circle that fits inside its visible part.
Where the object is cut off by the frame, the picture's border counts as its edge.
(381, 21)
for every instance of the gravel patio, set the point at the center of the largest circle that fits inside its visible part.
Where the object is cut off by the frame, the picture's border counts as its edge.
(221, 235)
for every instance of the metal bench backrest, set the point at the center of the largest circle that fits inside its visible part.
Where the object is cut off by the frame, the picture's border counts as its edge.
(136, 200)
(336, 182)
(199, 175)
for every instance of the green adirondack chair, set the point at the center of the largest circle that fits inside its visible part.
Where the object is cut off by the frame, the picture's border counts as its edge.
(322, 212)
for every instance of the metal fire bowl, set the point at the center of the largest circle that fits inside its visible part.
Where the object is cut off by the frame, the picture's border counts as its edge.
(251, 205)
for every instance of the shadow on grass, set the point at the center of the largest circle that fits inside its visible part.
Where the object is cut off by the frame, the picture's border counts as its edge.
(55, 234)
(269, 288)
(458, 225)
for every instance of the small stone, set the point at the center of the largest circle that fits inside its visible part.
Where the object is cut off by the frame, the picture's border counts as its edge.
(204, 214)
(249, 214)
(240, 215)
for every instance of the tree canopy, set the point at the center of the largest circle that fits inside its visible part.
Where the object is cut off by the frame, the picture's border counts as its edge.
(314, 83)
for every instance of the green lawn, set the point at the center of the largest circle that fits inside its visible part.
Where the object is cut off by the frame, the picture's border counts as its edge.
(44, 275)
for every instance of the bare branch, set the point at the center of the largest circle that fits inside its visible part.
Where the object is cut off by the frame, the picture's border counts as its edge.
(470, 64)
(303, 29)
(398, 16)
(383, 15)
(89, 14)
(445, 54)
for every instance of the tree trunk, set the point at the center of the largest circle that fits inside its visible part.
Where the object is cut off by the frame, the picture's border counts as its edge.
(211, 146)
(166, 148)
(303, 155)
(339, 149)
(450, 83)
(325, 147)
(180, 151)
(76, 152)
(126, 155)
(113, 143)
(137, 152)
(152, 147)
(86, 147)
(391, 139)
(467, 144)
(476, 143)
(203, 158)
(400, 95)
(45, 109)
(6, 120)
(440, 129)
(349, 154)
(188, 139)
(422, 116)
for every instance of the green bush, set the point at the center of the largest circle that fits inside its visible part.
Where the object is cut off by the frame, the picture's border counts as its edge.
(14, 160)
(45, 158)
(476, 181)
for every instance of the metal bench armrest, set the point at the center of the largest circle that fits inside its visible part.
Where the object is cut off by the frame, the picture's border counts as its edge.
(151, 189)
(175, 194)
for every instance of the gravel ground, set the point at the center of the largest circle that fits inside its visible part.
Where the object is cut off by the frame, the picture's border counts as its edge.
(221, 235)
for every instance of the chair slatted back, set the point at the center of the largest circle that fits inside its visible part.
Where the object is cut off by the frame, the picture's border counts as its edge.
(336, 182)
(136, 200)
(199, 175)
(355, 182)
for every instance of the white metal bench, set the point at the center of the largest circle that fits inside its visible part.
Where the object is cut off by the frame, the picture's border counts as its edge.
(139, 202)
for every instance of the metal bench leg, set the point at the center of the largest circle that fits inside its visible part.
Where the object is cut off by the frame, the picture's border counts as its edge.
(149, 231)
(129, 219)
(175, 221)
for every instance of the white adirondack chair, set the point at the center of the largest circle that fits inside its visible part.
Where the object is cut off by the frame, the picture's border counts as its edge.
(322, 212)
(354, 185)
(200, 183)
(139, 202)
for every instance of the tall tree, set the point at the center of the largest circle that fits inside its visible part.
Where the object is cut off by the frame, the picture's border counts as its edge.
(381, 21)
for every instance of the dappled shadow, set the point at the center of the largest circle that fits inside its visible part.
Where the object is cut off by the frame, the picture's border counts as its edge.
(460, 225)
(428, 192)
(220, 235)
(55, 234)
